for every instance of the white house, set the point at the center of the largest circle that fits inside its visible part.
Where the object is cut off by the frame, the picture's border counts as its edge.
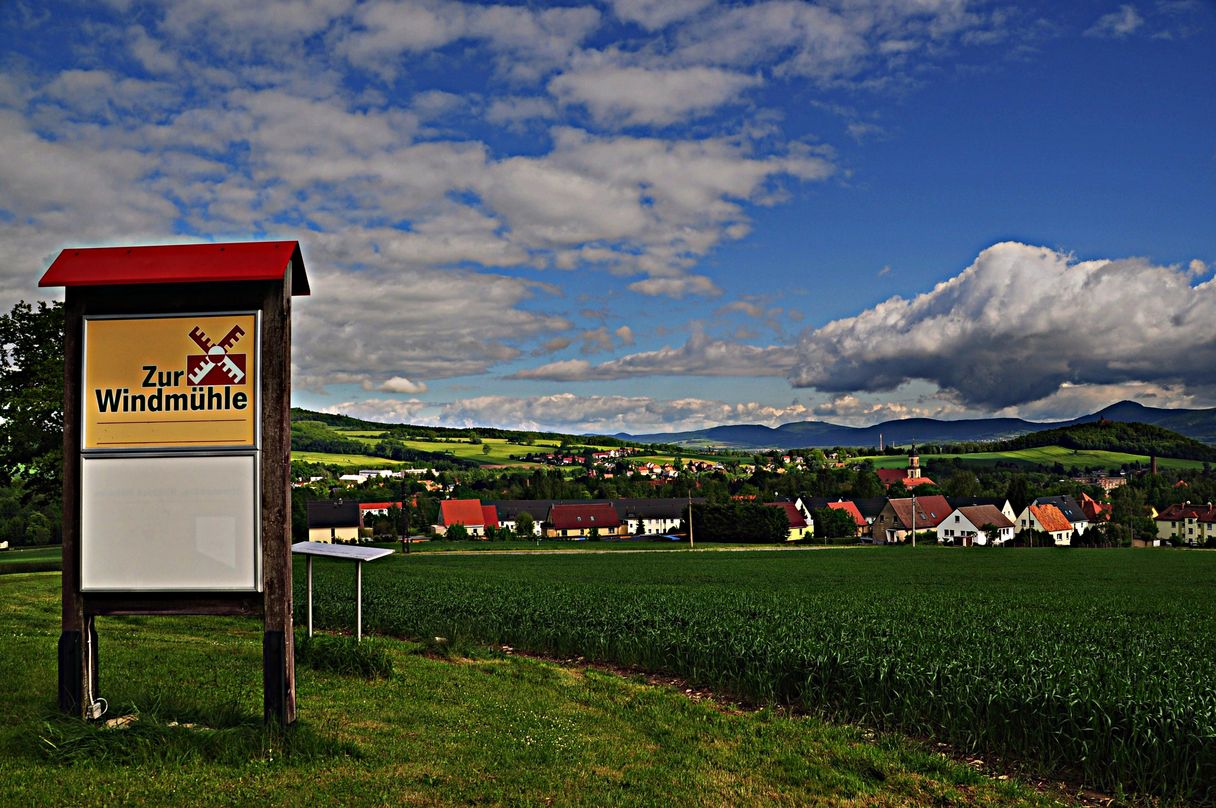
(1048, 519)
(966, 526)
(1070, 508)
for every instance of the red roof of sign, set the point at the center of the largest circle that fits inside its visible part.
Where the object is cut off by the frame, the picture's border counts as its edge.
(179, 263)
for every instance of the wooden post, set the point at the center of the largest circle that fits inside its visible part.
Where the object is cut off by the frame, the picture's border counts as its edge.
(76, 676)
(278, 643)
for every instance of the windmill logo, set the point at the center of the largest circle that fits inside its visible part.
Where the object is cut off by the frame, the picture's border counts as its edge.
(217, 365)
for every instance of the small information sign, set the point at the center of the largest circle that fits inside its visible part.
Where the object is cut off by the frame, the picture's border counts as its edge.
(170, 382)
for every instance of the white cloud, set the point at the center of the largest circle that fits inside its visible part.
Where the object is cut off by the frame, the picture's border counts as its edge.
(567, 412)
(1019, 323)
(630, 96)
(384, 326)
(699, 356)
(828, 43)
(654, 15)
(1117, 24)
(852, 410)
(399, 384)
(1072, 400)
(515, 110)
(381, 410)
(534, 40)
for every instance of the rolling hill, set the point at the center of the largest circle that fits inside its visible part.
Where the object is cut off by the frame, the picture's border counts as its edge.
(1197, 424)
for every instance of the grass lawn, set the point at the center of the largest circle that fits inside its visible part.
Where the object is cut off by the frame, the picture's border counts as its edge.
(485, 728)
(30, 555)
(1043, 456)
(23, 558)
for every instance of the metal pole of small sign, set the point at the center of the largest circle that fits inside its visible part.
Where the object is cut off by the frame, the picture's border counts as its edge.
(310, 597)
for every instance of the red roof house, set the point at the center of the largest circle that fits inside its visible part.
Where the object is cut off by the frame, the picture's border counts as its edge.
(888, 477)
(851, 509)
(1094, 511)
(467, 512)
(798, 527)
(578, 519)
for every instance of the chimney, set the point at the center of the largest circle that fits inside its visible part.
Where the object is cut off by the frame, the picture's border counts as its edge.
(1152, 464)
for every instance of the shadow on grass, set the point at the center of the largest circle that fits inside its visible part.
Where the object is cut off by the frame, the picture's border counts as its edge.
(175, 734)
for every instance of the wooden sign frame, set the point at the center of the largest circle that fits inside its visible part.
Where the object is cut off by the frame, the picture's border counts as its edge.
(166, 281)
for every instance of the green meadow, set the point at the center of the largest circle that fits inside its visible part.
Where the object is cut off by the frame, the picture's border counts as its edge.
(431, 725)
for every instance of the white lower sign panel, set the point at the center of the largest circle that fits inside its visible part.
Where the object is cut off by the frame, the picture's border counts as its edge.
(170, 524)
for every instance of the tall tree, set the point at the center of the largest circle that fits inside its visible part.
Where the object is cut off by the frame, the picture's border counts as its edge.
(31, 399)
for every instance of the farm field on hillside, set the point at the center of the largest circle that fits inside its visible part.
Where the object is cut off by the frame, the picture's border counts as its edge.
(1043, 456)
(484, 729)
(1097, 662)
(346, 460)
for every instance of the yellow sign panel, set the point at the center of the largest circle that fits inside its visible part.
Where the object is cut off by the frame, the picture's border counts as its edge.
(170, 382)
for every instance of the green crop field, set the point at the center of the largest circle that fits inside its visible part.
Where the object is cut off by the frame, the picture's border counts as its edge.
(1042, 456)
(346, 460)
(1098, 663)
(483, 727)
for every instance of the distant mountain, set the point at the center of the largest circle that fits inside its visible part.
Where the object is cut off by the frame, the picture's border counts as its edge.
(1197, 424)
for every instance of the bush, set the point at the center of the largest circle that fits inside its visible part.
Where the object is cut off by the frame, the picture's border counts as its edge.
(344, 655)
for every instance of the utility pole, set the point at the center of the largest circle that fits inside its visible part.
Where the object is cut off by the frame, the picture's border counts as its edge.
(913, 492)
(405, 521)
(690, 543)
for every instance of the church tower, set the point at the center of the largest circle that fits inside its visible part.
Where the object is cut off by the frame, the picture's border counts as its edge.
(913, 464)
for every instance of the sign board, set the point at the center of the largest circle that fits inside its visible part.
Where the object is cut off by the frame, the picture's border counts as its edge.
(177, 446)
(170, 523)
(170, 382)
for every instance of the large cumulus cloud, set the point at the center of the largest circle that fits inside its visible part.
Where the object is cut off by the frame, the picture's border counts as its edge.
(1021, 322)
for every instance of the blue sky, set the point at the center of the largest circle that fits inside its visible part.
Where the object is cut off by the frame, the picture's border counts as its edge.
(651, 216)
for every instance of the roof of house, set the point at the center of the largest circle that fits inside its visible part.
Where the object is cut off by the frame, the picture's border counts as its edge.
(1068, 506)
(963, 502)
(851, 509)
(930, 511)
(889, 477)
(1093, 509)
(179, 263)
(583, 515)
(815, 503)
(980, 515)
(465, 512)
(870, 507)
(378, 506)
(792, 514)
(655, 507)
(1185, 510)
(489, 515)
(333, 513)
(1050, 517)
(510, 509)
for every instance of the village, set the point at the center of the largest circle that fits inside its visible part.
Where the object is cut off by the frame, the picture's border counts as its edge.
(1055, 520)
